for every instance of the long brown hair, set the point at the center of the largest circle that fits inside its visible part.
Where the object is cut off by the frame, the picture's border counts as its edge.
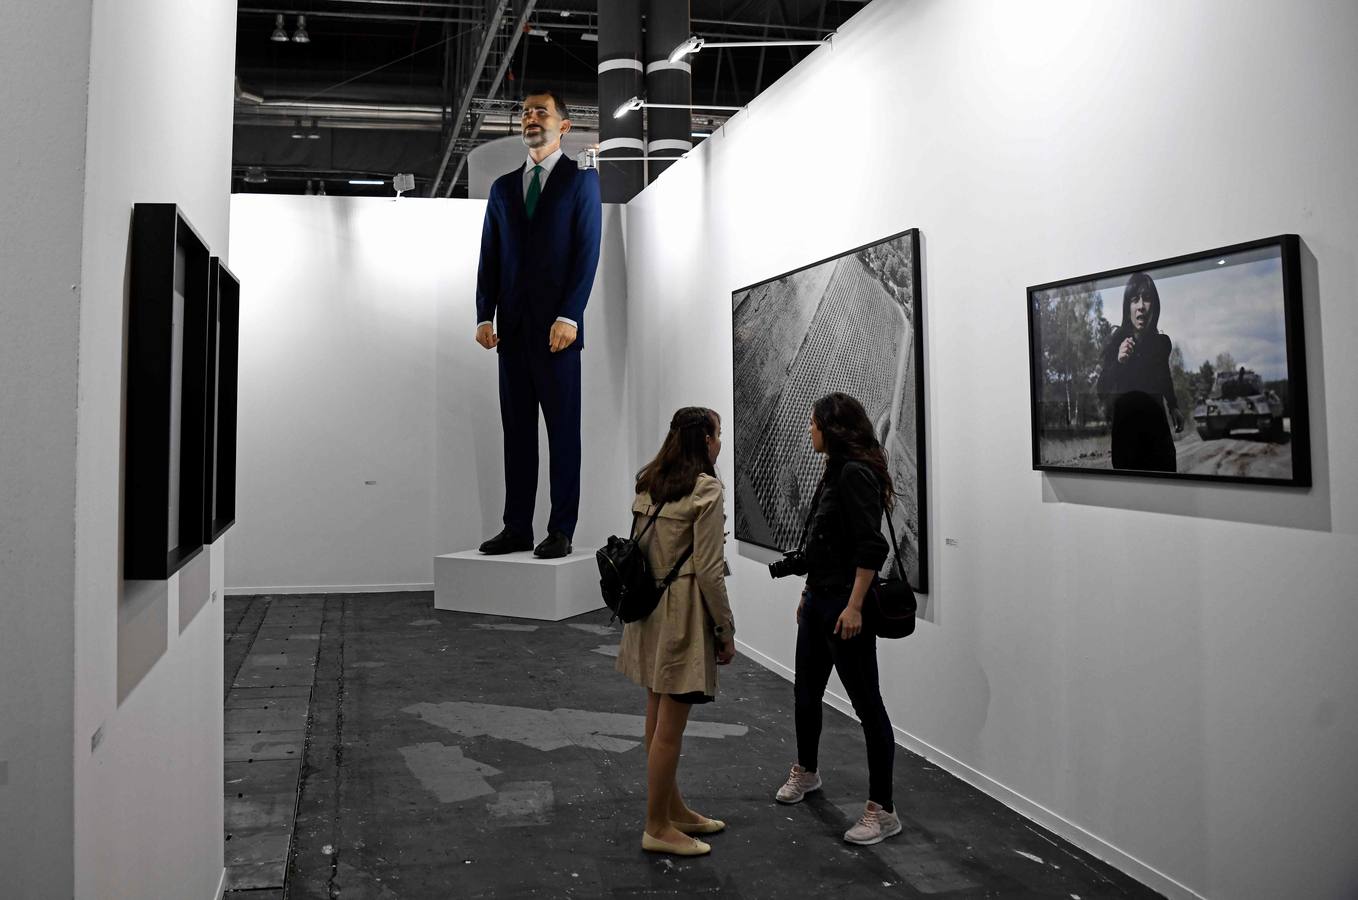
(848, 434)
(682, 457)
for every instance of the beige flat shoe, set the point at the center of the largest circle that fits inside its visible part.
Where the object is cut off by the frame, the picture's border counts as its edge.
(706, 826)
(692, 848)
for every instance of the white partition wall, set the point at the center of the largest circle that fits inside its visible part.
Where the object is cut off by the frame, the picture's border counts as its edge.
(370, 437)
(110, 700)
(1161, 672)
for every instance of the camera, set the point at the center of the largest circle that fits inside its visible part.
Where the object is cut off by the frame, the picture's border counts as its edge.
(792, 563)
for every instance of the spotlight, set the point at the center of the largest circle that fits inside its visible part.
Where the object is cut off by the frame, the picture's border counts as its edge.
(632, 103)
(694, 44)
(300, 36)
(280, 33)
(691, 45)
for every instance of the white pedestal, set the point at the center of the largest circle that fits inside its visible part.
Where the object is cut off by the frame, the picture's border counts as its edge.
(518, 584)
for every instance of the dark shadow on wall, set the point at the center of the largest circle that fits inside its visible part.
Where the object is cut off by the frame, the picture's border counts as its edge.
(1283, 507)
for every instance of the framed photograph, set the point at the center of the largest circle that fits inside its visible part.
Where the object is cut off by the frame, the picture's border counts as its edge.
(1190, 368)
(851, 323)
(166, 393)
(223, 364)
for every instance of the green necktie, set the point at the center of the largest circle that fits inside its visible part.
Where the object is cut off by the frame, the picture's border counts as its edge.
(530, 202)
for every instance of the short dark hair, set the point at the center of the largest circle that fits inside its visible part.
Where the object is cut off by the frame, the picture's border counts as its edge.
(562, 109)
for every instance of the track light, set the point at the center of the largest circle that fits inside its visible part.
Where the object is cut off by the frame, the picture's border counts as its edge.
(628, 105)
(300, 36)
(280, 33)
(638, 103)
(694, 43)
(255, 175)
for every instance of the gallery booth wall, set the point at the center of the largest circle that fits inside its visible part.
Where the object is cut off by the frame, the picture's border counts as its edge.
(110, 690)
(1161, 672)
(371, 438)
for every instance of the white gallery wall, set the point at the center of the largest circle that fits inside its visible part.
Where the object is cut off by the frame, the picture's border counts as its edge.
(148, 655)
(42, 145)
(370, 436)
(1161, 672)
(110, 691)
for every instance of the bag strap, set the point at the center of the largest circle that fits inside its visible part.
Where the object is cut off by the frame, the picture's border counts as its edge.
(674, 573)
(632, 535)
(900, 569)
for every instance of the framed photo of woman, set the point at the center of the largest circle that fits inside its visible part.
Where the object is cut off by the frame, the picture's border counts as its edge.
(1190, 368)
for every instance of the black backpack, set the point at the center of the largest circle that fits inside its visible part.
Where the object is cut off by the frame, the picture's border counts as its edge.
(625, 578)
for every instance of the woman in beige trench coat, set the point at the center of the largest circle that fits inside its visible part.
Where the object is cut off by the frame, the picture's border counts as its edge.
(674, 652)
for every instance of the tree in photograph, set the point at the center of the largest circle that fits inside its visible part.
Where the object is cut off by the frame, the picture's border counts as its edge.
(1226, 363)
(1072, 328)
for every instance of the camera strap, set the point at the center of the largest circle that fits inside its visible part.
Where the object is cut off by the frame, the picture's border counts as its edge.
(811, 514)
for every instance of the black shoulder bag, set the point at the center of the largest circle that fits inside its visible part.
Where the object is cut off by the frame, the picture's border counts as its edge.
(625, 579)
(889, 609)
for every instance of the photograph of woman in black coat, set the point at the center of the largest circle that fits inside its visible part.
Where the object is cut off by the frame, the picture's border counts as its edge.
(1136, 385)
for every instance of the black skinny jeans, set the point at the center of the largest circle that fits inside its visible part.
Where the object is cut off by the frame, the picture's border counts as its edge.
(819, 650)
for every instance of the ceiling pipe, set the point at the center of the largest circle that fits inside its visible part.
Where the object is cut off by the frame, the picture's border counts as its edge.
(620, 77)
(669, 90)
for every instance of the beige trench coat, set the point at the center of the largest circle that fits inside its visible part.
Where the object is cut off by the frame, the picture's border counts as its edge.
(673, 650)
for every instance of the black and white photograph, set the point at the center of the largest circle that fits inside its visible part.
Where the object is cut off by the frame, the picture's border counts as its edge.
(1190, 367)
(849, 323)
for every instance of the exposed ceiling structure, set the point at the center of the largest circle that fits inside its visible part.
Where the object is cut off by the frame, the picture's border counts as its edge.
(333, 91)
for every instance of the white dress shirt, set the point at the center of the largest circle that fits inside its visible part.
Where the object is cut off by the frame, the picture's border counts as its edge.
(548, 165)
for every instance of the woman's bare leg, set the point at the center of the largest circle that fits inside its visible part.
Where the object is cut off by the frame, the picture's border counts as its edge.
(662, 763)
(679, 811)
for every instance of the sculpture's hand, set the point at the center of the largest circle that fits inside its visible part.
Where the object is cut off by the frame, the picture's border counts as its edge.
(563, 335)
(486, 336)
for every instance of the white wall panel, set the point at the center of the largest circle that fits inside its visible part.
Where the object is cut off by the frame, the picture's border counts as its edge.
(148, 796)
(1160, 671)
(358, 364)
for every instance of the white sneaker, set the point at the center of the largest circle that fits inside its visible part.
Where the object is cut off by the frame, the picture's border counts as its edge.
(799, 783)
(876, 825)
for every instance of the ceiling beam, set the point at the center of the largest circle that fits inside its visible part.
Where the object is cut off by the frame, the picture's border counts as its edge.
(493, 24)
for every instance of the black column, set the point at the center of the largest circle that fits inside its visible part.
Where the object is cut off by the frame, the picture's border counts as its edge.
(620, 78)
(669, 131)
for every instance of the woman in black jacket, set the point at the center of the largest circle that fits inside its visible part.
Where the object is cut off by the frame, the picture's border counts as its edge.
(1136, 385)
(844, 551)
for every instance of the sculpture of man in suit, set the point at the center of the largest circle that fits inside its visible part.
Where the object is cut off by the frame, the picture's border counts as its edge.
(539, 250)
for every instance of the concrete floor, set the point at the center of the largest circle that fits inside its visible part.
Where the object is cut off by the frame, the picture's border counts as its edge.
(454, 755)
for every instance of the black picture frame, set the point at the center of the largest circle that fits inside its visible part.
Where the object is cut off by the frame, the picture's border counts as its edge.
(166, 391)
(1102, 406)
(223, 367)
(772, 440)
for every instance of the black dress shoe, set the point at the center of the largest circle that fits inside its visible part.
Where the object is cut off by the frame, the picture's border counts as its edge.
(554, 546)
(506, 542)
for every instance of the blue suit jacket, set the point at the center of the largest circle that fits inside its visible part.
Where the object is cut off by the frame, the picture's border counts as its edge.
(534, 270)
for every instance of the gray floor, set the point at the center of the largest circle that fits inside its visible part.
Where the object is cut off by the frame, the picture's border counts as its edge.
(452, 755)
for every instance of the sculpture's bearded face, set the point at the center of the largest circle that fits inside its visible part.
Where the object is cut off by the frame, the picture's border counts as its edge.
(540, 122)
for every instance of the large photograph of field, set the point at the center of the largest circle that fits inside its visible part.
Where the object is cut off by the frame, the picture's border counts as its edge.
(1191, 367)
(850, 323)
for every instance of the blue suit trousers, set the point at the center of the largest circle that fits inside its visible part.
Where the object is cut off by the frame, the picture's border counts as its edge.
(531, 379)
